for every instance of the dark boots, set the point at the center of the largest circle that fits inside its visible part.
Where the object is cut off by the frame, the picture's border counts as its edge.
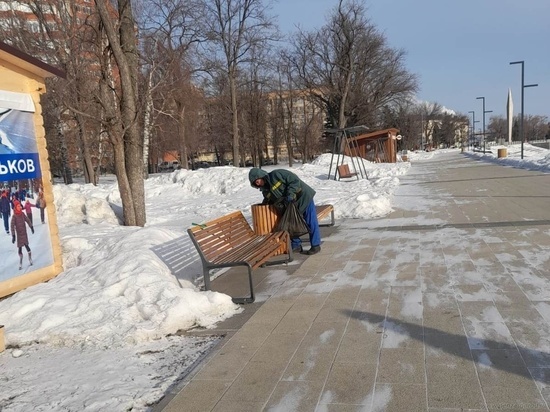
(313, 250)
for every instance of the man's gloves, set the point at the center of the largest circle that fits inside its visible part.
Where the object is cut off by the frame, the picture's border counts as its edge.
(289, 200)
(32, 230)
(13, 239)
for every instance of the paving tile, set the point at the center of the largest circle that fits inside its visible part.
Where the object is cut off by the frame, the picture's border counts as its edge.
(403, 366)
(480, 312)
(338, 407)
(198, 396)
(488, 335)
(446, 349)
(527, 316)
(438, 300)
(454, 387)
(442, 321)
(279, 348)
(398, 334)
(514, 399)
(237, 406)
(546, 395)
(400, 398)
(226, 364)
(455, 410)
(296, 321)
(343, 297)
(538, 356)
(255, 383)
(512, 300)
(406, 303)
(502, 368)
(295, 396)
(541, 377)
(314, 356)
(349, 383)
(472, 292)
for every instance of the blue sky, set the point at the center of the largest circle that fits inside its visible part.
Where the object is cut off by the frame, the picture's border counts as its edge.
(459, 49)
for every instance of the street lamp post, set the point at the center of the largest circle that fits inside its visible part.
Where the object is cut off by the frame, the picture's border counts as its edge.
(474, 121)
(484, 112)
(422, 132)
(523, 86)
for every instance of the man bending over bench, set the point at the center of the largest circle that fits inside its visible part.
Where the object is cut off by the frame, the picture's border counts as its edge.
(283, 185)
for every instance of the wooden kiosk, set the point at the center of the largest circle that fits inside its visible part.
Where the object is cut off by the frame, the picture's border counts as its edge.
(25, 170)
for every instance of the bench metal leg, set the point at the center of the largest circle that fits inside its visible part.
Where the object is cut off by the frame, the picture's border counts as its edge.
(251, 298)
(332, 221)
(206, 278)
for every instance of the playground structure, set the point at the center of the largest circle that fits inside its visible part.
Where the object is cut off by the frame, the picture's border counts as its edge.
(379, 147)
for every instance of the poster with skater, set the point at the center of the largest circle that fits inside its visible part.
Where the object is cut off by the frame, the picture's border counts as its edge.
(25, 239)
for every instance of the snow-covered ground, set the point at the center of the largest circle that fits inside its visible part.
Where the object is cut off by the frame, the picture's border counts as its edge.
(101, 336)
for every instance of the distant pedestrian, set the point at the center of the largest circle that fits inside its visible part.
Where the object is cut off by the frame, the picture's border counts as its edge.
(14, 200)
(19, 233)
(41, 203)
(28, 209)
(5, 209)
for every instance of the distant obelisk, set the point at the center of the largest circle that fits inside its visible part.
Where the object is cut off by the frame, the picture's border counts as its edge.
(509, 115)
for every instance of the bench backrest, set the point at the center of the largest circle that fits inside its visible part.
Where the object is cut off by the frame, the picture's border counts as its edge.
(221, 235)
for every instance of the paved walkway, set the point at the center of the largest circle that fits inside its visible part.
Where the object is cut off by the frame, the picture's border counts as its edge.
(444, 305)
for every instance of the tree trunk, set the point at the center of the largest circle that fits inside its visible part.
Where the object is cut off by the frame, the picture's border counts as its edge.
(67, 173)
(128, 212)
(234, 118)
(147, 126)
(87, 164)
(182, 137)
(124, 48)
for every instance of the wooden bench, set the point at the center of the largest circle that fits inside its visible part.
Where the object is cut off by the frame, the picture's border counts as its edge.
(230, 241)
(324, 211)
(344, 172)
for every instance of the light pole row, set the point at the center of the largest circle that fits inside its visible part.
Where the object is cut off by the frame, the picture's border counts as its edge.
(474, 121)
(484, 113)
(523, 86)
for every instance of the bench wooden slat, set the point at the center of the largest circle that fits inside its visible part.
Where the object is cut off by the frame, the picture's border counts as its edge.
(253, 257)
(230, 241)
(218, 236)
(253, 251)
(215, 245)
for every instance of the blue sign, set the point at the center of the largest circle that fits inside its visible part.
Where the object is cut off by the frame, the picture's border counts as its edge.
(19, 166)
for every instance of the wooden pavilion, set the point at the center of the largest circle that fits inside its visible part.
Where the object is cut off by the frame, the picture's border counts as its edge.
(379, 146)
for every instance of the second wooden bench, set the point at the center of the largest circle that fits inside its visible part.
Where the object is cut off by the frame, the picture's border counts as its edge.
(344, 172)
(324, 211)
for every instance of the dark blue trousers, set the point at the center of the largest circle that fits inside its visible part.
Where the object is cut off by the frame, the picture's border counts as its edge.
(310, 216)
(6, 217)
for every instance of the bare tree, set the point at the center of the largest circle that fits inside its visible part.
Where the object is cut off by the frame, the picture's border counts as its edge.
(283, 105)
(498, 128)
(449, 129)
(63, 34)
(171, 29)
(349, 68)
(121, 121)
(536, 127)
(427, 113)
(234, 27)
